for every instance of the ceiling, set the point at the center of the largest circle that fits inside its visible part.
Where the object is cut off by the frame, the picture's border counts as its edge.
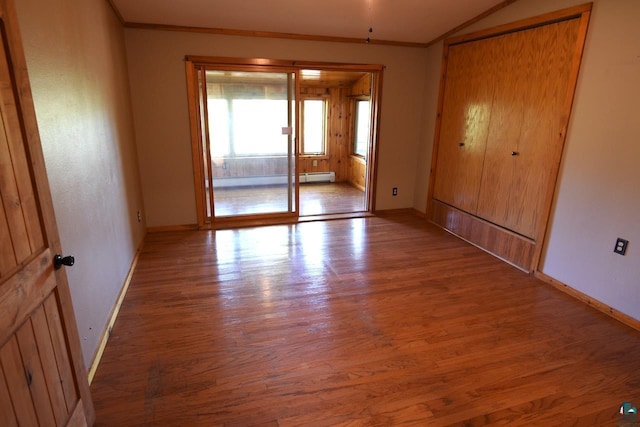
(308, 78)
(404, 21)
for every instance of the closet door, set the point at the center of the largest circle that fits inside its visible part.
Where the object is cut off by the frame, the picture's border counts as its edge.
(465, 121)
(525, 142)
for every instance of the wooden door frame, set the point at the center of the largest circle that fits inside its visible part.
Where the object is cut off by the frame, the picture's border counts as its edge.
(261, 64)
(581, 12)
(197, 138)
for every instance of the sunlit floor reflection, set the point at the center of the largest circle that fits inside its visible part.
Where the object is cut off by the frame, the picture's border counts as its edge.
(315, 199)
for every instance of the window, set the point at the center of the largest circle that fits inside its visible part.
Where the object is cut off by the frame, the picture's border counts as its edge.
(362, 127)
(247, 127)
(314, 119)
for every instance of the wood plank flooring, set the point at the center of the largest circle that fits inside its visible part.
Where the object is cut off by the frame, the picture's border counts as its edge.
(378, 321)
(315, 199)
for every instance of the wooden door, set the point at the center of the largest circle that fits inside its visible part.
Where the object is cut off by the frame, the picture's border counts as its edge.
(43, 381)
(465, 120)
(525, 139)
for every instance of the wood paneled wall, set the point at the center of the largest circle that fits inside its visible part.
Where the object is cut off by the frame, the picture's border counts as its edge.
(246, 166)
(362, 86)
(338, 134)
(357, 172)
(358, 165)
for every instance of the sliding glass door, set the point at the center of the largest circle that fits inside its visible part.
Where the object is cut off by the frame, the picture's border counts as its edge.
(274, 140)
(248, 129)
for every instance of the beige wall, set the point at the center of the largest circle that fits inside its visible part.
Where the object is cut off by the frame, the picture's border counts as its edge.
(158, 86)
(598, 196)
(76, 61)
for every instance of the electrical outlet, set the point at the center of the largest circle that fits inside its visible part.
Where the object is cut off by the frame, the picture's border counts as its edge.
(621, 246)
(394, 191)
(139, 215)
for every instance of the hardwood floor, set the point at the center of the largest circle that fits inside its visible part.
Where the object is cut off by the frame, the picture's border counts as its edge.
(333, 198)
(315, 199)
(378, 321)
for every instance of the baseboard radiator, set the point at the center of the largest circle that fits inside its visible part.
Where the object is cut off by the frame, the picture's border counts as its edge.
(251, 181)
(317, 177)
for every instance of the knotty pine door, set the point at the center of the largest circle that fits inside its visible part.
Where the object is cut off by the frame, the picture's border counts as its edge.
(43, 381)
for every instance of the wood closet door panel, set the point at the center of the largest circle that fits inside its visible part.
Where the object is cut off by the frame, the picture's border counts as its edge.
(507, 111)
(525, 143)
(542, 139)
(465, 120)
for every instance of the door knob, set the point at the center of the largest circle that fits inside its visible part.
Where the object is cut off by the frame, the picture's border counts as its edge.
(59, 261)
(514, 153)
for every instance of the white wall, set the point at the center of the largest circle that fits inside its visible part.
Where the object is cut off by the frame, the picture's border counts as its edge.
(598, 195)
(433, 72)
(158, 84)
(76, 62)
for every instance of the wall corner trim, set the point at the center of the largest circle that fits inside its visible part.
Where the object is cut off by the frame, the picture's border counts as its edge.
(598, 305)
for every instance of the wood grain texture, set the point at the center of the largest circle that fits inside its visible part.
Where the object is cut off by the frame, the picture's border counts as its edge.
(30, 374)
(60, 350)
(510, 80)
(14, 371)
(23, 201)
(464, 124)
(499, 241)
(39, 376)
(362, 87)
(545, 215)
(536, 63)
(534, 21)
(338, 134)
(15, 182)
(471, 21)
(527, 119)
(315, 199)
(334, 78)
(77, 418)
(50, 366)
(114, 315)
(7, 413)
(371, 321)
(198, 135)
(598, 305)
(357, 172)
(19, 297)
(35, 376)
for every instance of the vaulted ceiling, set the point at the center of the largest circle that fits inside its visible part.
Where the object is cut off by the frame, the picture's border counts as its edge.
(404, 21)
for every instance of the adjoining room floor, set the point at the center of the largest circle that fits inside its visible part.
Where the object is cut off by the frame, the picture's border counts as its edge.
(315, 199)
(379, 321)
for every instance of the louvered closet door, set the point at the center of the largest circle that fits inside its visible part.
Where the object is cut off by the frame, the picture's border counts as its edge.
(465, 122)
(524, 142)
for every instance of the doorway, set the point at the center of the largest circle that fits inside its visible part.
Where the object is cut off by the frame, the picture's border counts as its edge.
(335, 144)
(277, 140)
